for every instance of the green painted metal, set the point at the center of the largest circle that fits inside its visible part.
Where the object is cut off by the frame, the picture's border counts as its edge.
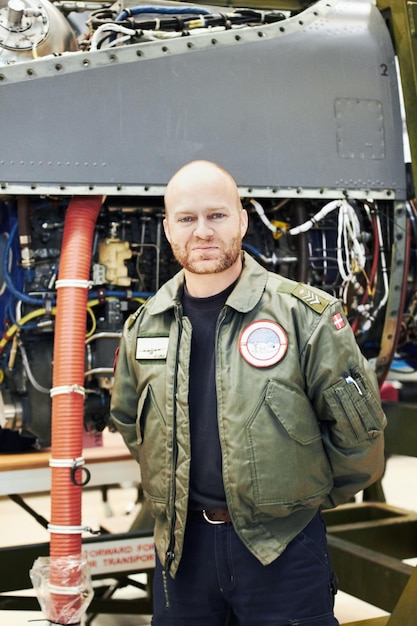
(368, 543)
(374, 621)
(368, 575)
(401, 431)
(405, 612)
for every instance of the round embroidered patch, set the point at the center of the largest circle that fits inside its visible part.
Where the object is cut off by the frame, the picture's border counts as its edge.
(263, 343)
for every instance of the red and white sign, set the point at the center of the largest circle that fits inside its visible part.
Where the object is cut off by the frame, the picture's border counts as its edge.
(120, 555)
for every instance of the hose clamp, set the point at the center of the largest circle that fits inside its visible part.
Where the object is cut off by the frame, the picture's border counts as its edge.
(71, 530)
(73, 463)
(73, 282)
(62, 389)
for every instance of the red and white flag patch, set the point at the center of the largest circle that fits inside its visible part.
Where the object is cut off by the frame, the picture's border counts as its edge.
(338, 321)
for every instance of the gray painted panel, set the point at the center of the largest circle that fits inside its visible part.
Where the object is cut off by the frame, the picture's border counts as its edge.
(317, 108)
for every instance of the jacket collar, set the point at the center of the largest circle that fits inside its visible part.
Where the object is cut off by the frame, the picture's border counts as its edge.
(250, 286)
(244, 297)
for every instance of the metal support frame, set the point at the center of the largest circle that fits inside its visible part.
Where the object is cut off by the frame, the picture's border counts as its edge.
(369, 543)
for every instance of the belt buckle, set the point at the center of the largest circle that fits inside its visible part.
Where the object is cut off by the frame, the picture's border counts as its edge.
(212, 521)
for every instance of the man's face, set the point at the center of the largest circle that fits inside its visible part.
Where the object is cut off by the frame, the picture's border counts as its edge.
(205, 225)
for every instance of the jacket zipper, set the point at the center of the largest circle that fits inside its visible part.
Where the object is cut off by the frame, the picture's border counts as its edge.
(170, 553)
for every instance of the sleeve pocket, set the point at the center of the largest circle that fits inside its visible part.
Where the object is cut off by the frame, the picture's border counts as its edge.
(355, 413)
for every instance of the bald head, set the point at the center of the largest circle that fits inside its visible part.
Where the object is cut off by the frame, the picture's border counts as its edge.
(196, 177)
(205, 223)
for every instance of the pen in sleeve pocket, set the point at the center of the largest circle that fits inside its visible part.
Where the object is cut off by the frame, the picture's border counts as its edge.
(352, 381)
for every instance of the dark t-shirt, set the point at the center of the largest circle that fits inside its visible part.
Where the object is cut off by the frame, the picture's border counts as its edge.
(206, 478)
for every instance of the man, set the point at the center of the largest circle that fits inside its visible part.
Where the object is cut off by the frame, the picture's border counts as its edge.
(249, 407)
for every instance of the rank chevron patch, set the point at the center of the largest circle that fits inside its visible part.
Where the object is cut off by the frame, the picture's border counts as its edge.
(311, 298)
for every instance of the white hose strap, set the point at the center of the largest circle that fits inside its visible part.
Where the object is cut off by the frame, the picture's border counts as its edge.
(73, 282)
(65, 591)
(67, 462)
(56, 391)
(67, 530)
(71, 530)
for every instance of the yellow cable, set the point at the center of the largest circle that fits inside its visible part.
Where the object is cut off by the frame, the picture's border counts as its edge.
(94, 322)
(12, 330)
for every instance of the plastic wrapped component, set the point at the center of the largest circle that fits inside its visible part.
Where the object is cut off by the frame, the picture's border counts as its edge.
(63, 587)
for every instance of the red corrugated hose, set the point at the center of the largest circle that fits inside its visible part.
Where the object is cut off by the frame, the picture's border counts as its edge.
(68, 386)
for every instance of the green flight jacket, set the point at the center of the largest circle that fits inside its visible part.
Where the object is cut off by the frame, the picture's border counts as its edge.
(299, 415)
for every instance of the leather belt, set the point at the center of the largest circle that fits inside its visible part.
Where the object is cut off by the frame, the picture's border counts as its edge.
(216, 516)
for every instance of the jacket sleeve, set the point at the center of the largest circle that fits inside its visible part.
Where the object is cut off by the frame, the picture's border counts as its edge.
(345, 393)
(124, 401)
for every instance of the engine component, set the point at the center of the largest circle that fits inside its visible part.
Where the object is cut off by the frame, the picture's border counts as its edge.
(112, 256)
(32, 28)
(342, 247)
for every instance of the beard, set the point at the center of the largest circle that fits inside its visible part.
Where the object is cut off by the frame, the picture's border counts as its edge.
(203, 264)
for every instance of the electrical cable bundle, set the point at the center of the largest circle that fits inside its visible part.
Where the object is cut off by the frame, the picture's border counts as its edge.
(110, 30)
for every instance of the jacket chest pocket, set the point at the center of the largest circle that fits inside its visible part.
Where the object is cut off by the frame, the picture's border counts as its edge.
(287, 463)
(153, 456)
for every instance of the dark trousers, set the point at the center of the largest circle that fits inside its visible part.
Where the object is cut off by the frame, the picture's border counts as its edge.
(220, 583)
